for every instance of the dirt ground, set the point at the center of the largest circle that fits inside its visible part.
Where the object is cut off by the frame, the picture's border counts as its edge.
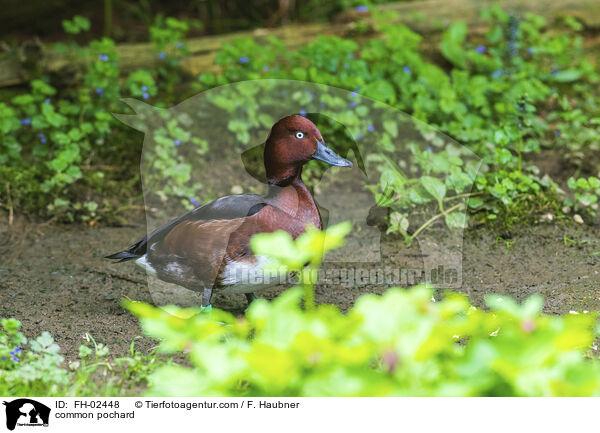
(55, 278)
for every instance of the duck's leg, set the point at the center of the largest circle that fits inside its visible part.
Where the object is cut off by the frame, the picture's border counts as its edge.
(206, 306)
(250, 297)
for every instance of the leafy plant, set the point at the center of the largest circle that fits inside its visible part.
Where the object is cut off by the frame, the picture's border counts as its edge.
(35, 367)
(401, 343)
(586, 193)
(509, 94)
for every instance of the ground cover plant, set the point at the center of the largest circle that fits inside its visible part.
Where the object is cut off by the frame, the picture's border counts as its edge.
(508, 97)
(36, 367)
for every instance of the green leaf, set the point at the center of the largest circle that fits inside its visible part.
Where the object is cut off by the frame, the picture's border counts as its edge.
(475, 202)
(381, 90)
(434, 187)
(278, 245)
(391, 127)
(415, 196)
(567, 76)
(451, 45)
(456, 220)
(503, 156)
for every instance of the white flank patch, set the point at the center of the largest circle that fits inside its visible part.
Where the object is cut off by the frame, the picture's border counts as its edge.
(245, 277)
(173, 268)
(143, 263)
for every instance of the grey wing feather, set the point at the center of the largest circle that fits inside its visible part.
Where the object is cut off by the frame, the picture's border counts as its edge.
(224, 208)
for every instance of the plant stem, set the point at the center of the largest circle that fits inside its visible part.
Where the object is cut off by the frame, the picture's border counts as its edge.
(467, 194)
(432, 219)
(308, 284)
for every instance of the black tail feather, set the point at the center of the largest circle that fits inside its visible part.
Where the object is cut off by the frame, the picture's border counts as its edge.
(123, 256)
(135, 251)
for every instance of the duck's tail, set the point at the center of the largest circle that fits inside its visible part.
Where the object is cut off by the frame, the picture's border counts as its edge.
(135, 251)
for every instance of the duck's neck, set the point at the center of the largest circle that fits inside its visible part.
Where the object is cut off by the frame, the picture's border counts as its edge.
(293, 197)
(283, 174)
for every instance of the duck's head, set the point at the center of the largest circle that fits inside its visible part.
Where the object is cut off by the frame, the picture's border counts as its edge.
(293, 141)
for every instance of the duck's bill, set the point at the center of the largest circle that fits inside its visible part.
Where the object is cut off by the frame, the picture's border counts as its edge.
(325, 154)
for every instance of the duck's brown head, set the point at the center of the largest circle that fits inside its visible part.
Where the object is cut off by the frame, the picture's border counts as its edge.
(293, 141)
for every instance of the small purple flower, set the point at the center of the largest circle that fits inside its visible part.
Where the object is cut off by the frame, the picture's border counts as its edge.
(530, 50)
(177, 142)
(360, 136)
(428, 149)
(362, 8)
(480, 49)
(179, 44)
(406, 69)
(15, 359)
(99, 90)
(498, 73)
(26, 121)
(352, 104)
(556, 133)
(144, 88)
(244, 59)
(194, 201)
(371, 128)
(103, 57)
(12, 353)
(353, 94)
(303, 112)
(17, 349)
(3, 358)
(47, 101)
(265, 68)
(43, 140)
(554, 71)
(323, 105)
(145, 95)
(161, 55)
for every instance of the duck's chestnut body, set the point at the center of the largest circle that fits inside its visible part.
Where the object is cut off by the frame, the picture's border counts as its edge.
(209, 247)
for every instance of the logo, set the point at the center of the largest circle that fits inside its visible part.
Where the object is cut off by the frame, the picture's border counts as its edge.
(26, 412)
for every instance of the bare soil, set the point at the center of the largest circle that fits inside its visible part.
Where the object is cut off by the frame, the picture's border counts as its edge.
(54, 278)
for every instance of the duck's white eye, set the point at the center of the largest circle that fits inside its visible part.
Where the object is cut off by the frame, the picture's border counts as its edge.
(299, 135)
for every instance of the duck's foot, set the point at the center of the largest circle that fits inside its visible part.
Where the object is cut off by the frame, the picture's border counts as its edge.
(206, 307)
(250, 297)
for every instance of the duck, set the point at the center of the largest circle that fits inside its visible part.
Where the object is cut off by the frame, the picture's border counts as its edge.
(208, 250)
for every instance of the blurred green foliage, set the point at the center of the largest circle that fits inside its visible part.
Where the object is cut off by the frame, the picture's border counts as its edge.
(400, 344)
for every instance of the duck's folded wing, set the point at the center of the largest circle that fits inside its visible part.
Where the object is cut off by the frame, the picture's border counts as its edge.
(225, 208)
(193, 252)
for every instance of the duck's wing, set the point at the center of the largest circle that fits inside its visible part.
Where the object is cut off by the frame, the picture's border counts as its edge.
(224, 208)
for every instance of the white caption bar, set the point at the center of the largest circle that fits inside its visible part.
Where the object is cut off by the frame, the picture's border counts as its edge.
(150, 414)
